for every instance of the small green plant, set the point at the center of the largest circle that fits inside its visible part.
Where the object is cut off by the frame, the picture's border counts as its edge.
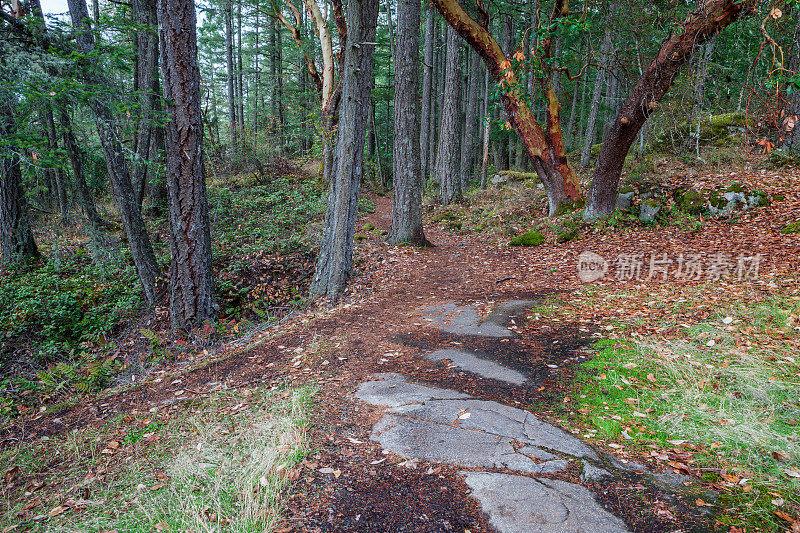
(365, 205)
(531, 238)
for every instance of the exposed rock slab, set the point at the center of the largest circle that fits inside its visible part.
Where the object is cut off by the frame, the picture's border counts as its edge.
(412, 438)
(517, 504)
(463, 320)
(394, 391)
(442, 425)
(483, 367)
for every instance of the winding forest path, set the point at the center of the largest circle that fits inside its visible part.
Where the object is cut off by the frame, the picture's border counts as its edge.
(441, 405)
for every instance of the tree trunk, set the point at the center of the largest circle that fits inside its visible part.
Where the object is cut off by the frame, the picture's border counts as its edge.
(572, 113)
(507, 146)
(407, 178)
(256, 69)
(150, 135)
(279, 86)
(239, 71)
(334, 262)
(191, 277)
(57, 173)
(433, 122)
(594, 108)
(232, 120)
(76, 162)
(449, 141)
(545, 147)
(16, 234)
(470, 119)
(107, 130)
(486, 131)
(699, 26)
(427, 94)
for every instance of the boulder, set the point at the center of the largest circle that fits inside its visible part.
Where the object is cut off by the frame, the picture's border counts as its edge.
(624, 201)
(649, 210)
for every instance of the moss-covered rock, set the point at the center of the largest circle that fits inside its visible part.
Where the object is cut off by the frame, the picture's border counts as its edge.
(569, 207)
(518, 176)
(567, 236)
(690, 202)
(369, 226)
(791, 228)
(735, 187)
(532, 238)
(444, 216)
(360, 237)
(716, 130)
(649, 210)
(758, 199)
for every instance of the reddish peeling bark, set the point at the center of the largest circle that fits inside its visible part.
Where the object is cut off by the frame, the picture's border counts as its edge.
(545, 147)
(711, 17)
(294, 30)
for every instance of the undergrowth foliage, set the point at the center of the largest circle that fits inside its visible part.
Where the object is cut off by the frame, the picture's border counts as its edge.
(51, 313)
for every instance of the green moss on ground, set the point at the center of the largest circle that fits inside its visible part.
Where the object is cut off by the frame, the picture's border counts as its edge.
(532, 238)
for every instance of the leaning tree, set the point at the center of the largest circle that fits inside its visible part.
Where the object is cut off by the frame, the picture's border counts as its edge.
(545, 142)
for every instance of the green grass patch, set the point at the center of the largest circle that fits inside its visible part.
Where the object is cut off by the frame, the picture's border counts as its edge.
(219, 464)
(721, 387)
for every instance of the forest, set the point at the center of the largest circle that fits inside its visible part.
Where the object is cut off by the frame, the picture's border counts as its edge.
(236, 233)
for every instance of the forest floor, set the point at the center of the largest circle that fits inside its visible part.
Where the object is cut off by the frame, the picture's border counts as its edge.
(694, 377)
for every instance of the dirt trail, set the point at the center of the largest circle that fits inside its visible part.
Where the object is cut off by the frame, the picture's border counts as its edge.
(381, 328)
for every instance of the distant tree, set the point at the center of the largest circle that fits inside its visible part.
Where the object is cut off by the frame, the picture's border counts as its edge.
(191, 279)
(108, 131)
(448, 153)
(16, 234)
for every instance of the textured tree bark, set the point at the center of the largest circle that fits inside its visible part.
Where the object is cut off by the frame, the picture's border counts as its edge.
(107, 130)
(334, 262)
(227, 13)
(149, 135)
(486, 131)
(594, 108)
(449, 176)
(58, 175)
(427, 94)
(436, 94)
(239, 71)
(407, 178)
(710, 17)
(16, 236)
(76, 162)
(191, 279)
(468, 158)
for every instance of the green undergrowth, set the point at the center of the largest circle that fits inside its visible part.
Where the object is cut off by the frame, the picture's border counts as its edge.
(220, 464)
(55, 312)
(249, 218)
(735, 399)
